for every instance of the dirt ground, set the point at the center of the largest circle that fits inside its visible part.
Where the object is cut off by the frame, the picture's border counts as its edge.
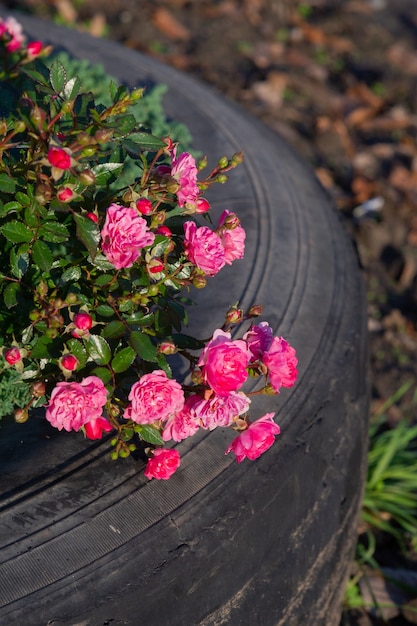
(338, 79)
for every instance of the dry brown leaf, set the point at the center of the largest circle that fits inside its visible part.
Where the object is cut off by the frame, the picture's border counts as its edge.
(97, 25)
(399, 56)
(363, 189)
(325, 177)
(66, 11)
(318, 37)
(169, 25)
(271, 90)
(359, 116)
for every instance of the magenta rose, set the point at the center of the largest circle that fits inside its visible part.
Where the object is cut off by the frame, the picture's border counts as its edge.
(74, 404)
(14, 31)
(184, 171)
(94, 428)
(224, 362)
(259, 338)
(162, 464)
(183, 424)
(256, 439)
(125, 233)
(281, 362)
(204, 248)
(233, 239)
(60, 158)
(221, 410)
(154, 397)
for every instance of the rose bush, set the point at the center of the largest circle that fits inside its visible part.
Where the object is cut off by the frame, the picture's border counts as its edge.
(100, 237)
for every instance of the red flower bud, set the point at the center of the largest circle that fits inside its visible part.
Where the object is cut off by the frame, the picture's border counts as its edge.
(164, 230)
(83, 321)
(167, 347)
(12, 356)
(69, 362)
(202, 206)
(65, 194)
(144, 206)
(93, 217)
(58, 157)
(34, 48)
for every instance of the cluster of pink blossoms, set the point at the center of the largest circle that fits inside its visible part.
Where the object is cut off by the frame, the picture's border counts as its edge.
(158, 400)
(12, 30)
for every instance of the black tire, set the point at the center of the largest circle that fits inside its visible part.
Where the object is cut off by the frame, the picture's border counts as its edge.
(87, 541)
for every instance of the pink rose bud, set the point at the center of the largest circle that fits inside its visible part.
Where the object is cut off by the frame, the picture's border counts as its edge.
(38, 389)
(167, 347)
(12, 356)
(234, 315)
(83, 321)
(58, 157)
(163, 464)
(65, 194)
(94, 428)
(155, 266)
(144, 206)
(69, 362)
(202, 206)
(164, 230)
(34, 48)
(93, 217)
(254, 441)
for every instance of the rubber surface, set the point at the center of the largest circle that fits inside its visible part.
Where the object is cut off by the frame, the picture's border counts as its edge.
(86, 541)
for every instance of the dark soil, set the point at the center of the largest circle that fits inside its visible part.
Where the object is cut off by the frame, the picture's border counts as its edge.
(338, 79)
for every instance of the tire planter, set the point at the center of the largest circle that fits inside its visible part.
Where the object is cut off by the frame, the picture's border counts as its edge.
(87, 541)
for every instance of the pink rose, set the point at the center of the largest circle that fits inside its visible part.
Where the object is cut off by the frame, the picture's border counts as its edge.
(154, 397)
(74, 404)
(204, 248)
(69, 362)
(259, 338)
(221, 410)
(13, 356)
(162, 464)
(184, 171)
(94, 428)
(15, 31)
(281, 362)
(232, 237)
(124, 235)
(253, 442)
(224, 362)
(58, 157)
(183, 424)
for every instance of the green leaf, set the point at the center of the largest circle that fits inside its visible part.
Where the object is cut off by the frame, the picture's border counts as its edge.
(150, 434)
(143, 346)
(10, 295)
(113, 330)
(72, 88)
(76, 347)
(106, 173)
(71, 275)
(16, 232)
(103, 373)
(42, 255)
(9, 207)
(58, 76)
(124, 124)
(137, 142)
(123, 360)
(141, 319)
(105, 310)
(31, 217)
(185, 342)
(41, 349)
(98, 348)
(88, 233)
(54, 232)
(7, 184)
(19, 260)
(23, 198)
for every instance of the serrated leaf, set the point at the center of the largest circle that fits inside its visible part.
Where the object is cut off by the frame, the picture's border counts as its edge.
(143, 346)
(123, 360)
(76, 347)
(9, 207)
(19, 261)
(27, 334)
(54, 232)
(98, 348)
(105, 310)
(23, 198)
(141, 319)
(150, 434)
(106, 173)
(137, 142)
(185, 342)
(57, 76)
(113, 330)
(88, 233)
(42, 255)
(16, 232)
(10, 295)
(72, 88)
(31, 218)
(71, 275)
(124, 125)
(103, 280)
(103, 373)
(41, 349)
(7, 184)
